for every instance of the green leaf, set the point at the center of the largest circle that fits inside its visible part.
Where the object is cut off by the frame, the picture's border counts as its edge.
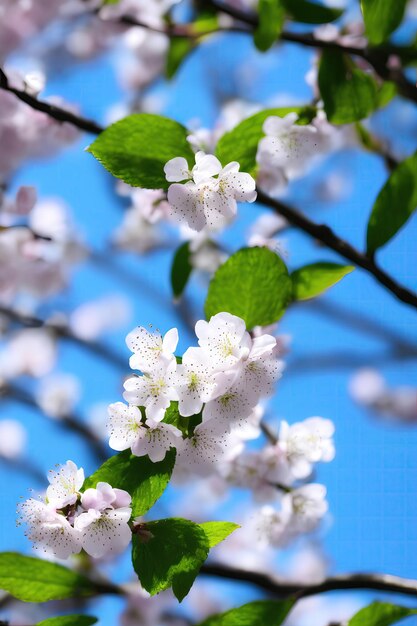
(260, 613)
(179, 49)
(310, 12)
(68, 620)
(394, 205)
(144, 480)
(217, 532)
(380, 614)
(33, 580)
(253, 284)
(241, 143)
(348, 93)
(271, 21)
(312, 280)
(386, 93)
(181, 269)
(137, 148)
(171, 557)
(381, 18)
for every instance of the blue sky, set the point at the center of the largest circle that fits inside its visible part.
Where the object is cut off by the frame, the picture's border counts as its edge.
(372, 482)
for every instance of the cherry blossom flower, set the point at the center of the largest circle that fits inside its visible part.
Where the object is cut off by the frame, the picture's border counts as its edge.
(124, 425)
(308, 505)
(64, 485)
(154, 390)
(49, 530)
(306, 443)
(208, 446)
(194, 382)
(104, 526)
(156, 439)
(286, 151)
(150, 350)
(68, 521)
(225, 340)
(232, 408)
(96, 317)
(204, 199)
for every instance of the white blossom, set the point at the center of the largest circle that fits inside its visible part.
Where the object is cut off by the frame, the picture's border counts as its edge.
(58, 394)
(306, 443)
(208, 446)
(224, 339)
(64, 485)
(154, 390)
(150, 350)
(124, 425)
(48, 530)
(155, 440)
(308, 506)
(104, 526)
(285, 151)
(195, 382)
(209, 193)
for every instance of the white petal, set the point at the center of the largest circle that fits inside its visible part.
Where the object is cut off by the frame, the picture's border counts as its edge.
(185, 207)
(177, 170)
(108, 535)
(123, 425)
(241, 185)
(207, 165)
(170, 341)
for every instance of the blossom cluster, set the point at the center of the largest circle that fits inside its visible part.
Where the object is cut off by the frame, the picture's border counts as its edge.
(208, 194)
(67, 521)
(278, 471)
(217, 386)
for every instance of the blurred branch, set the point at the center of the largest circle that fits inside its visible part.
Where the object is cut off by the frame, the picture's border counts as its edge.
(338, 313)
(377, 58)
(93, 347)
(340, 360)
(340, 582)
(23, 466)
(71, 422)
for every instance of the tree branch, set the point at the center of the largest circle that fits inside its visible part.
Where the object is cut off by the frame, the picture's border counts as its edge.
(325, 234)
(377, 58)
(93, 347)
(57, 113)
(71, 422)
(376, 582)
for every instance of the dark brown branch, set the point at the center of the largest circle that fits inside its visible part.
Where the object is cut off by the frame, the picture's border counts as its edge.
(376, 582)
(57, 113)
(323, 233)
